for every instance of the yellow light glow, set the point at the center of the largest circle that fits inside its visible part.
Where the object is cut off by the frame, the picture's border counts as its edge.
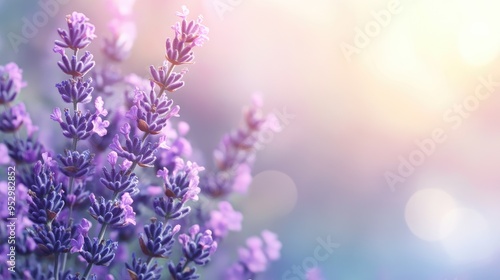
(478, 44)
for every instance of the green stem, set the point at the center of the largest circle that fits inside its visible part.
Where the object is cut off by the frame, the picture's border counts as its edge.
(149, 260)
(65, 258)
(102, 232)
(87, 271)
(169, 71)
(56, 267)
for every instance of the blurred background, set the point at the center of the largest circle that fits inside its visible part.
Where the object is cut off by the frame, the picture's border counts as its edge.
(363, 82)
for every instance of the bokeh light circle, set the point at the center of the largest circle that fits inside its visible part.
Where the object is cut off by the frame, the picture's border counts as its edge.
(469, 238)
(425, 211)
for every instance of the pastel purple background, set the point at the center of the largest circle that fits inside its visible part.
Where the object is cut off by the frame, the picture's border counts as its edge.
(323, 175)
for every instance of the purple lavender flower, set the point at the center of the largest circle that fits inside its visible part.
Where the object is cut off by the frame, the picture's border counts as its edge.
(181, 271)
(126, 204)
(11, 82)
(45, 208)
(105, 78)
(236, 153)
(273, 245)
(187, 35)
(170, 208)
(183, 182)
(255, 257)
(197, 246)
(76, 91)
(140, 270)
(135, 150)
(80, 32)
(12, 118)
(223, 220)
(117, 181)
(76, 67)
(82, 231)
(118, 47)
(158, 239)
(98, 253)
(166, 81)
(53, 240)
(75, 164)
(111, 213)
(152, 112)
(25, 151)
(79, 126)
(178, 148)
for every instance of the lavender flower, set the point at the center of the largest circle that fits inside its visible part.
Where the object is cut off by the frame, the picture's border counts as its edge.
(80, 32)
(46, 198)
(152, 112)
(197, 246)
(44, 209)
(11, 82)
(166, 81)
(236, 153)
(178, 148)
(12, 118)
(181, 271)
(53, 240)
(111, 213)
(157, 240)
(118, 47)
(116, 180)
(170, 208)
(76, 67)
(75, 164)
(135, 150)
(140, 270)
(25, 151)
(76, 91)
(255, 257)
(183, 182)
(187, 35)
(81, 232)
(104, 79)
(79, 126)
(223, 220)
(98, 253)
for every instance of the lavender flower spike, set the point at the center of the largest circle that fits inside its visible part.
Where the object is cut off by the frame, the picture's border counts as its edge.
(80, 32)
(198, 246)
(76, 91)
(140, 270)
(76, 67)
(11, 82)
(157, 240)
(98, 253)
(223, 220)
(75, 164)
